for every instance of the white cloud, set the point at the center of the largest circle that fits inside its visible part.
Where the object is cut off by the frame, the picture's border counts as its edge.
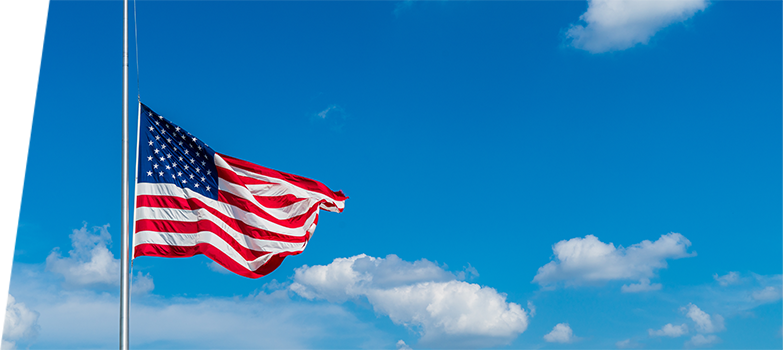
(561, 333)
(90, 261)
(767, 294)
(699, 340)
(585, 260)
(643, 286)
(20, 323)
(421, 294)
(532, 308)
(627, 344)
(142, 284)
(727, 279)
(402, 346)
(611, 25)
(669, 330)
(704, 322)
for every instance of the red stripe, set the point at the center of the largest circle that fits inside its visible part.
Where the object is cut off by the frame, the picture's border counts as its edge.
(265, 201)
(244, 204)
(194, 204)
(299, 181)
(166, 251)
(180, 227)
(248, 206)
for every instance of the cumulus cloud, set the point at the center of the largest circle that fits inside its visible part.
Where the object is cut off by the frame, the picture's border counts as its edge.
(20, 323)
(612, 25)
(727, 279)
(561, 333)
(586, 260)
(626, 344)
(704, 322)
(700, 340)
(643, 286)
(90, 261)
(402, 346)
(420, 295)
(669, 330)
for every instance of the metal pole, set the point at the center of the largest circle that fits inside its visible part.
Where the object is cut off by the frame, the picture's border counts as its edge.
(124, 287)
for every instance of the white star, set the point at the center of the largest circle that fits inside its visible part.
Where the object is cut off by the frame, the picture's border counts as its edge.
(168, 139)
(163, 146)
(180, 159)
(160, 173)
(184, 181)
(203, 179)
(192, 160)
(168, 156)
(186, 151)
(203, 163)
(150, 143)
(209, 172)
(149, 113)
(179, 173)
(149, 158)
(196, 184)
(198, 154)
(157, 137)
(162, 158)
(177, 129)
(194, 139)
(180, 143)
(198, 170)
(163, 132)
(173, 176)
(157, 123)
(174, 165)
(168, 167)
(156, 151)
(207, 188)
(186, 167)
(160, 117)
(156, 166)
(199, 148)
(151, 128)
(192, 176)
(183, 136)
(149, 173)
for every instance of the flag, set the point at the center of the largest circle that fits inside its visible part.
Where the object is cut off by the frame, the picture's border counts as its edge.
(191, 200)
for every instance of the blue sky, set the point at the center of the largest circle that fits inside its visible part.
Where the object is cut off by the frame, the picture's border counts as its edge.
(521, 174)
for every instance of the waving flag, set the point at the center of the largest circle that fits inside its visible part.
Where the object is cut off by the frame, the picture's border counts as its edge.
(191, 200)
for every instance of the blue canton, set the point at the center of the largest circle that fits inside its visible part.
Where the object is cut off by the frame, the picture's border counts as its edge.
(170, 154)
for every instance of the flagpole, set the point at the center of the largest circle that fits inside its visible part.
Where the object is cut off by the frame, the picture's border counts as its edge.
(124, 287)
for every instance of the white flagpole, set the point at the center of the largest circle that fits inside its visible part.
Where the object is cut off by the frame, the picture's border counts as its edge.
(124, 287)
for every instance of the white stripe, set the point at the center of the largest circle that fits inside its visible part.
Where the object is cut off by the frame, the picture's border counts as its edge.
(285, 187)
(264, 245)
(166, 189)
(189, 240)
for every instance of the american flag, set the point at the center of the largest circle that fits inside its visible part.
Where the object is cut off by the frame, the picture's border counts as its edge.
(191, 200)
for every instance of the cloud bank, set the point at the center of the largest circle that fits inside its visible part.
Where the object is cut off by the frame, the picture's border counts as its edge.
(588, 260)
(420, 295)
(612, 25)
